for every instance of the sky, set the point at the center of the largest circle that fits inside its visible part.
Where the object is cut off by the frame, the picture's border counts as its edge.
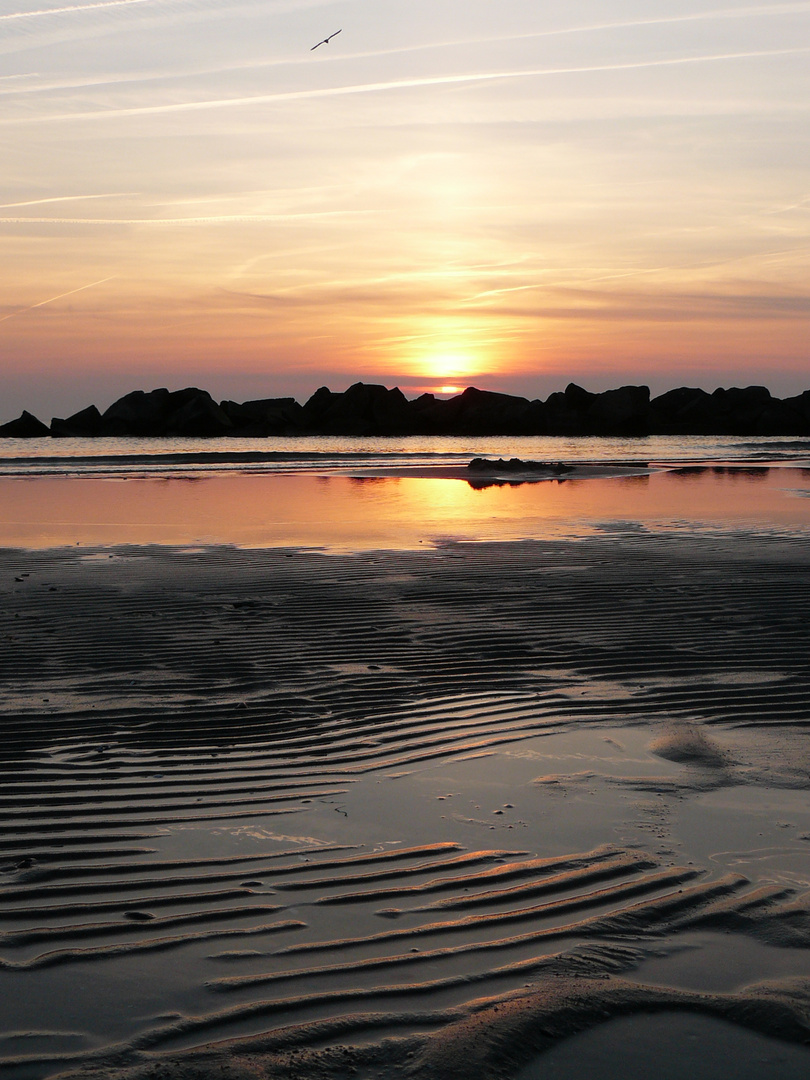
(511, 194)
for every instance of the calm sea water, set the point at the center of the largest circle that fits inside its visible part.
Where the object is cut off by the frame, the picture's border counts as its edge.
(330, 494)
(93, 457)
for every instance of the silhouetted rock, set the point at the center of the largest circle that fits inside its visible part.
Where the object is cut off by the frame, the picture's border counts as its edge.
(199, 417)
(625, 411)
(578, 399)
(685, 411)
(315, 407)
(26, 426)
(373, 410)
(83, 424)
(364, 409)
(798, 406)
(137, 413)
(484, 412)
(264, 417)
(518, 465)
(565, 412)
(738, 409)
(191, 412)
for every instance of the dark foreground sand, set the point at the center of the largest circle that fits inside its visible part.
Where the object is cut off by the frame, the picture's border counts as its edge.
(434, 814)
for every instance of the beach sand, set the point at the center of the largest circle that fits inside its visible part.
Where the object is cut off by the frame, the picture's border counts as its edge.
(452, 813)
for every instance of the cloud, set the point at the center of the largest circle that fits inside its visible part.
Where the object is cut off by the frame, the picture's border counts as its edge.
(403, 84)
(212, 219)
(658, 305)
(68, 198)
(40, 12)
(51, 299)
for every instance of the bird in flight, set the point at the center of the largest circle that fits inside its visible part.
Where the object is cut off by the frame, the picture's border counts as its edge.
(326, 40)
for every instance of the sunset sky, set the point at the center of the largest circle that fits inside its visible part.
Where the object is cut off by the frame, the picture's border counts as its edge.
(505, 193)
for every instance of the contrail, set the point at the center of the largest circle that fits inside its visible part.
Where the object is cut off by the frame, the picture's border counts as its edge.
(68, 198)
(70, 8)
(404, 84)
(51, 299)
(222, 219)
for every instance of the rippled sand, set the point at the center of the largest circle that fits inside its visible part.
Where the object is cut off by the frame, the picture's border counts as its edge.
(421, 814)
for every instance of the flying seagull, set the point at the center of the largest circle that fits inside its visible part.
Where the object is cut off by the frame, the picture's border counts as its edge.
(325, 41)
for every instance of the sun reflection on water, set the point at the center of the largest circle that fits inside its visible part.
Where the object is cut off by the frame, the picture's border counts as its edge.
(362, 513)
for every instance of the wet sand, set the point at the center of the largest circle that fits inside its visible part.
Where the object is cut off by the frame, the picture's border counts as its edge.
(424, 814)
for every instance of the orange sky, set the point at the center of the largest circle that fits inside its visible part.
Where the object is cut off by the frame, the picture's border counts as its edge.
(600, 191)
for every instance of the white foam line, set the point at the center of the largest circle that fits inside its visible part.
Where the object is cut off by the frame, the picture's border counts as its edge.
(61, 296)
(405, 84)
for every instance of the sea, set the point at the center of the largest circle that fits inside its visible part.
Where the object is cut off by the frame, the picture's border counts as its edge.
(349, 493)
(325, 453)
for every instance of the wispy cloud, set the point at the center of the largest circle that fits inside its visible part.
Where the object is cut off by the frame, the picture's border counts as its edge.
(69, 8)
(212, 219)
(404, 84)
(68, 198)
(721, 14)
(343, 57)
(51, 299)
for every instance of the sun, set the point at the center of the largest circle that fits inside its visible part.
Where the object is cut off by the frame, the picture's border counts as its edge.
(449, 369)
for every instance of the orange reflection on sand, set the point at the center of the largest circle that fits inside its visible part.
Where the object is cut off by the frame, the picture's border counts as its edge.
(343, 513)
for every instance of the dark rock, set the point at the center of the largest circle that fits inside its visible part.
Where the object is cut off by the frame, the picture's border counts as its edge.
(738, 409)
(484, 412)
(577, 399)
(83, 424)
(316, 406)
(190, 412)
(685, 411)
(199, 416)
(264, 417)
(518, 465)
(364, 409)
(138, 413)
(625, 411)
(373, 410)
(26, 426)
(799, 407)
(562, 417)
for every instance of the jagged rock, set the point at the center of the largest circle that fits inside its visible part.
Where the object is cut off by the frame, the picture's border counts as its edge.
(190, 412)
(199, 416)
(625, 411)
(685, 411)
(563, 416)
(739, 408)
(484, 412)
(83, 424)
(137, 413)
(26, 426)
(364, 409)
(264, 417)
(578, 399)
(518, 465)
(372, 410)
(799, 414)
(316, 406)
